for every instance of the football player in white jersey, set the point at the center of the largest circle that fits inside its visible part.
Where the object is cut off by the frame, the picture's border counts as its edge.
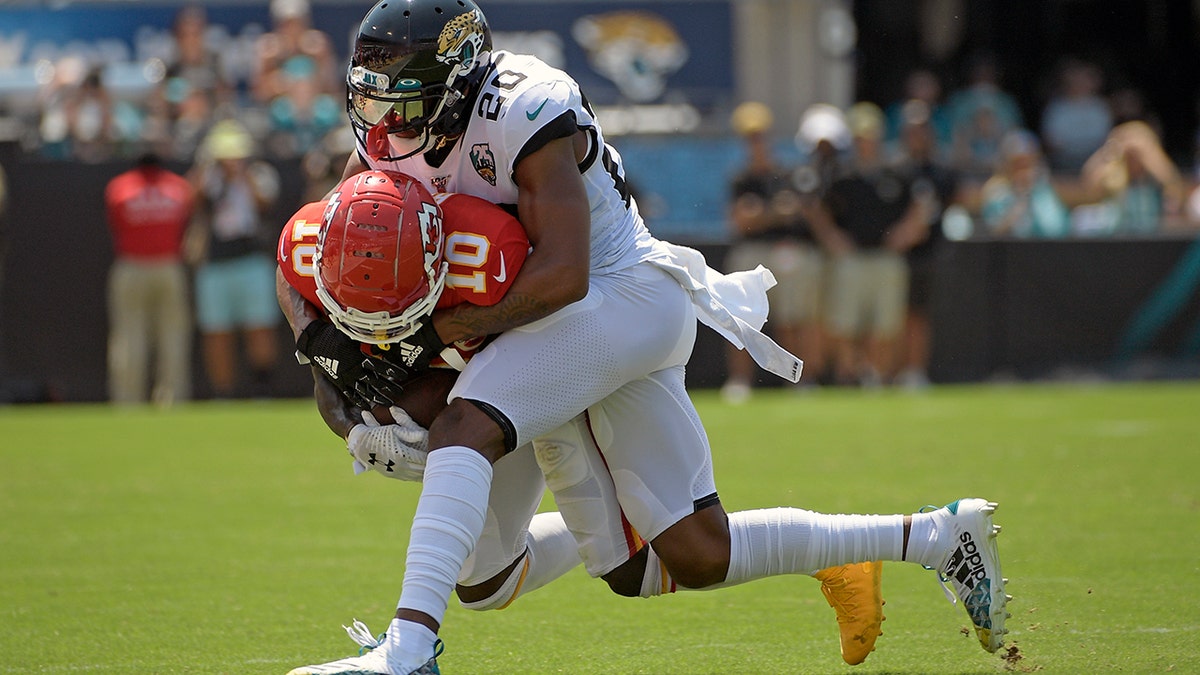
(343, 261)
(601, 317)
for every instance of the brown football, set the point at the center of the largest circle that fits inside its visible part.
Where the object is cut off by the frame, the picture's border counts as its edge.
(423, 397)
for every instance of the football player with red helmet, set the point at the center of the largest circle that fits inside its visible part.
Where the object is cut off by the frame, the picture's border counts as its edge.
(386, 260)
(381, 235)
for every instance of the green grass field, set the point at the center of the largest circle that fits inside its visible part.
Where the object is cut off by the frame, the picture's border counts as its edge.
(233, 538)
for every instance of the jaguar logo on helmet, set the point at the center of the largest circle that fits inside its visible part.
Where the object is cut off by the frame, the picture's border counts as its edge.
(463, 40)
(415, 67)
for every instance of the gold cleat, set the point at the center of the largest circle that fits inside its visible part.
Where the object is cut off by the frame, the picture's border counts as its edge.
(855, 592)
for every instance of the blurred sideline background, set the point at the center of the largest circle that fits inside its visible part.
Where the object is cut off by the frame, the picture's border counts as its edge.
(85, 87)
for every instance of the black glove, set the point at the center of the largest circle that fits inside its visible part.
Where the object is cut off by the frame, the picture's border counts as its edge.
(415, 352)
(365, 381)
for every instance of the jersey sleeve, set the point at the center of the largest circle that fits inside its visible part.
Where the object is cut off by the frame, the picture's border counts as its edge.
(298, 247)
(485, 248)
(538, 114)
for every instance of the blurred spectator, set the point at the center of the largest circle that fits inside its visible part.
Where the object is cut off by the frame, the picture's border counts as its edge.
(77, 113)
(922, 85)
(148, 211)
(295, 78)
(194, 90)
(934, 187)
(1020, 200)
(867, 213)
(768, 229)
(823, 139)
(292, 52)
(90, 118)
(300, 119)
(1140, 184)
(1077, 118)
(235, 282)
(980, 114)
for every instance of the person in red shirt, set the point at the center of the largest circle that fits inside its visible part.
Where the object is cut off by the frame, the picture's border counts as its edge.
(148, 210)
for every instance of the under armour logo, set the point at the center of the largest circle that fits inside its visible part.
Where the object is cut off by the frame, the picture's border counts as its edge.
(372, 459)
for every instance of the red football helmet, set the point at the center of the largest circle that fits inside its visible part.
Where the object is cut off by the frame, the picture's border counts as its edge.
(379, 256)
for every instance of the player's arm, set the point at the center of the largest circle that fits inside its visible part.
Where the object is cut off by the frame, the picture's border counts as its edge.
(337, 412)
(554, 210)
(298, 311)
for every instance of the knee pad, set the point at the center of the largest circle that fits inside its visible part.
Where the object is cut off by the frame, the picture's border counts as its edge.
(586, 496)
(560, 455)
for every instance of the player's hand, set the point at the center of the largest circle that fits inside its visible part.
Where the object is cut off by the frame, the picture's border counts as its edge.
(364, 381)
(395, 450)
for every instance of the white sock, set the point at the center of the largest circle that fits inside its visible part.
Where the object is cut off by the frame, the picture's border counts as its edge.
(550, 552)
(409, 645)
(768, 542)
(924, 545)
(448, 521)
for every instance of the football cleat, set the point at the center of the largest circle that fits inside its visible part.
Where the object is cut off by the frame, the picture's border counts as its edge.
(855, 592)
(972, 567)
(370, 661)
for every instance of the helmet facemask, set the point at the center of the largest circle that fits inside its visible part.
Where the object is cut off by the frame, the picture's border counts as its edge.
(406, 97)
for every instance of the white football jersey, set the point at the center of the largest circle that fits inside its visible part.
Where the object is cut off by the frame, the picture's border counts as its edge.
(522, 105)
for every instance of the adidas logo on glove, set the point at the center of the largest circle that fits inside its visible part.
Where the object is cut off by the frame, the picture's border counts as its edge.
(329, 365)
(409, 353)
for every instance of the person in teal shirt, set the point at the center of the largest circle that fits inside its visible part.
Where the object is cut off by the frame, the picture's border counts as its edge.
(1020, 200)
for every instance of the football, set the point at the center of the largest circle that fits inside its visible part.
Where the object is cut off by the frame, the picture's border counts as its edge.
(423, 397)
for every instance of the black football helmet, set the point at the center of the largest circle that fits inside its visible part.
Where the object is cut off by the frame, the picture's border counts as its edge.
(415, 68)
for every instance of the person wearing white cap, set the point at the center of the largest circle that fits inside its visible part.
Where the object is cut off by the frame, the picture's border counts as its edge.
(863, 211)
(235, 276)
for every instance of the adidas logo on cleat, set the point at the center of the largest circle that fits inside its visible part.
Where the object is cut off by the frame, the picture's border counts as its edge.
(966, 567)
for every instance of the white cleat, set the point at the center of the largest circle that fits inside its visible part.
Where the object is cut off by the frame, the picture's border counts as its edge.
(972, 567)
(370, 663)
(373, 661)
